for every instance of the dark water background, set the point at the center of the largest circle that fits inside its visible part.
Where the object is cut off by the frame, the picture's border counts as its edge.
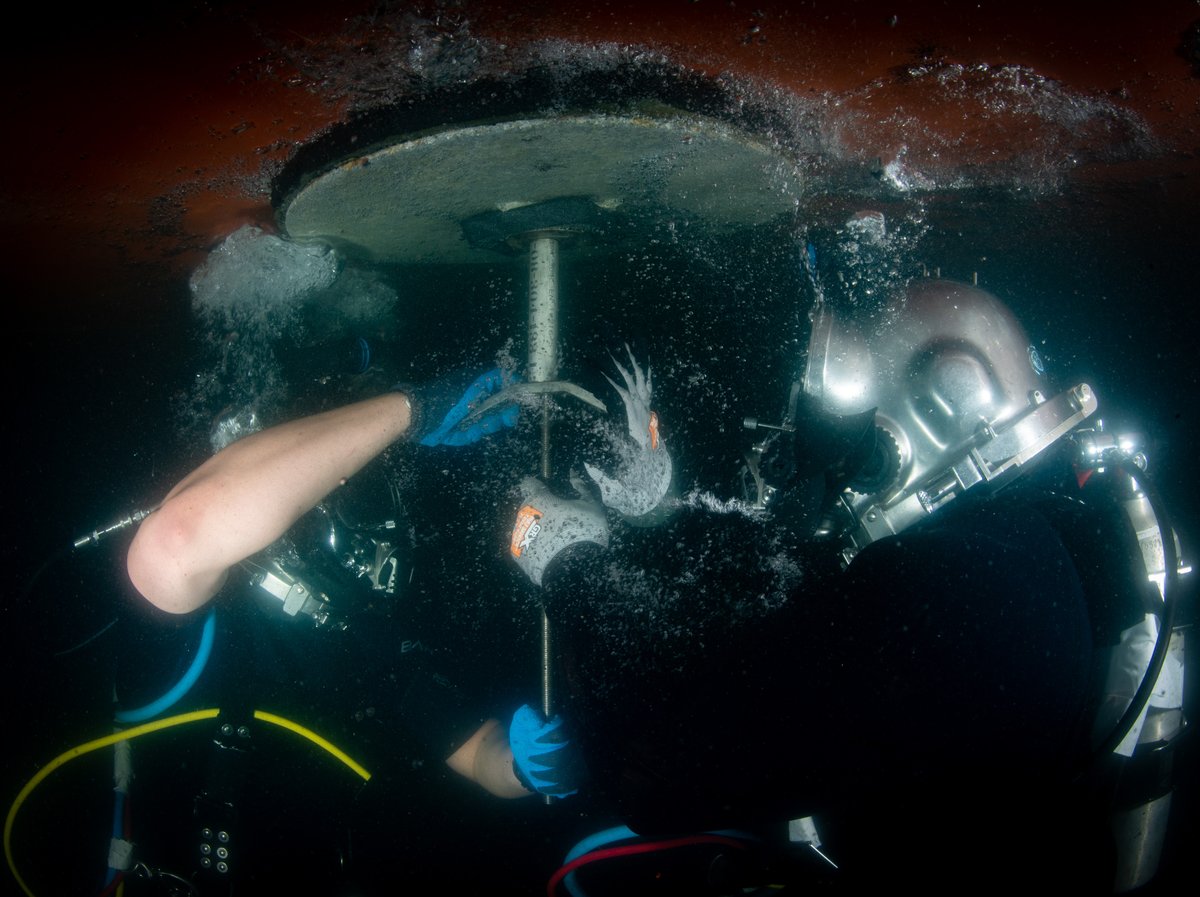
(1102, 277)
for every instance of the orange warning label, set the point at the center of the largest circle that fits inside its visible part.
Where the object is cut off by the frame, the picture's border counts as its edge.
(525, 530)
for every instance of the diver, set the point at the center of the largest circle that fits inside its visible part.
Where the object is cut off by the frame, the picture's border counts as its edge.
(272, 590)
(228, 541)
(900, 627)
(245, 497)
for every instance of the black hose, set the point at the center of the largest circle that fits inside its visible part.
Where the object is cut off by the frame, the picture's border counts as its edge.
(1166, 623)
(31, 584)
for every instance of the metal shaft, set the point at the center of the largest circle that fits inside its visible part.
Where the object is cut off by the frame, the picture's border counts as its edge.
(543, 365)
(543, 308)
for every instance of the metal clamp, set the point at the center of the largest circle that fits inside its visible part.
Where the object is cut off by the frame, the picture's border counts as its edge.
(995, 449)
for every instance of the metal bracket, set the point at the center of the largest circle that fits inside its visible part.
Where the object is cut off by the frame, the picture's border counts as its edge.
(995, 449)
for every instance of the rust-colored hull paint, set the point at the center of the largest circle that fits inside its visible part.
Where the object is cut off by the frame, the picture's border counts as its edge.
(134, 146)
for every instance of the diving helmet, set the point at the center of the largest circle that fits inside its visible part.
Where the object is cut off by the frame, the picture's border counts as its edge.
(935, 365)
(959, 396)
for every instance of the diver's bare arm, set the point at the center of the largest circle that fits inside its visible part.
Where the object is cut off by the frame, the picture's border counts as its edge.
(486, 759)
(249, 494)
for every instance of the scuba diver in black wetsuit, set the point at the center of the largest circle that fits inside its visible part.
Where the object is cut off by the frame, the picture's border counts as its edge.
(904, 627)
(244, 524)
(252, 492)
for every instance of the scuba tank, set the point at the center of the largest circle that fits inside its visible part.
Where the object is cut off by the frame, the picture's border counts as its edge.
(1140, 719)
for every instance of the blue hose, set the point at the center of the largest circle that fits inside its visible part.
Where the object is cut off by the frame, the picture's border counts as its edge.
(591, 842)
(587, 845)
(184, 685)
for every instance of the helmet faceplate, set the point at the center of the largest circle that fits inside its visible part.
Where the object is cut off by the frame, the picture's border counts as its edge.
(937, 365)
(959, 398)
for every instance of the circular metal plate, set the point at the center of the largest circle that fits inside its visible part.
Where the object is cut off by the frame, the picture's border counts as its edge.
(406, 202)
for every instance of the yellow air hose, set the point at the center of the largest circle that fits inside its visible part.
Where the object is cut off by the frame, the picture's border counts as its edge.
(146, 729)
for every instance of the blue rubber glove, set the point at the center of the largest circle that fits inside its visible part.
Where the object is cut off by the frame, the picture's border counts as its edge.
(543, 758)
(438, 416)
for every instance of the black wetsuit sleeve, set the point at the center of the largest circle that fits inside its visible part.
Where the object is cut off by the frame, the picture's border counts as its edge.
(716, 668)
(437, 712)
(410, 683)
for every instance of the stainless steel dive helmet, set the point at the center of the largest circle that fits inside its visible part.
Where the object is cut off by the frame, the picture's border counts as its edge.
(935, 366)
(959, 395)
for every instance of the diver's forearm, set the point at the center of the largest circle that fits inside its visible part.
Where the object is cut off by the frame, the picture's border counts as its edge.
(486, 759)
(249, 494)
